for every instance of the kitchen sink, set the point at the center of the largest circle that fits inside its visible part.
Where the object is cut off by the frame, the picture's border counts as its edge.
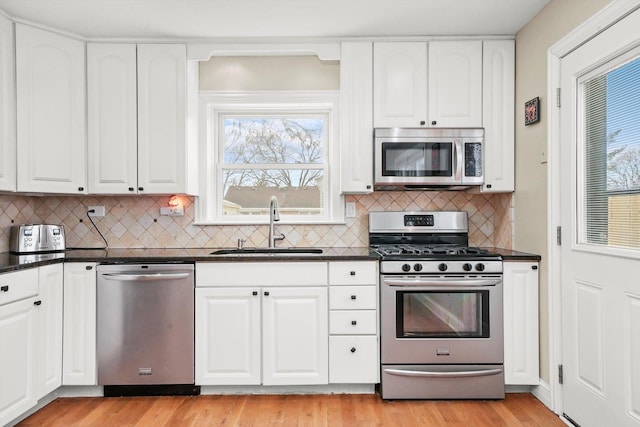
(268, 251)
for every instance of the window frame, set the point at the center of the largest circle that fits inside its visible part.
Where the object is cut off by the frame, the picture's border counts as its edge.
(213, 105)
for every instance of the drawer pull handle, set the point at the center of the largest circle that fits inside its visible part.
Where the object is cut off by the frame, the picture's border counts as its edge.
(4, 288)
(353, 350)
(254, 293)
(37, 302)
(352, 273)
(354, 323)
(266, 293)
(353, 297)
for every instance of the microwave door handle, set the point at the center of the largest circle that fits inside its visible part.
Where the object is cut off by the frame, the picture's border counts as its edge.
(457, 162)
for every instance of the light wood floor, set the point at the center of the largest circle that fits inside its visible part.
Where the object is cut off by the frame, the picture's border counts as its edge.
(292, 410)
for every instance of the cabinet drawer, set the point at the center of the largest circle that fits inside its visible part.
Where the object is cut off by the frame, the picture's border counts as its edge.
(18, 285)
(353, 273)
(353, 359)
(352, 322)
(261, 274)
(352, 297)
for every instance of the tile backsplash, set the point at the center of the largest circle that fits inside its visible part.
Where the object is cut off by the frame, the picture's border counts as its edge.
(135, 221)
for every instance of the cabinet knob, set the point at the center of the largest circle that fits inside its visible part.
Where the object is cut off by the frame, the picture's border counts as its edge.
(354, 322)
(433, 123)
(80, 188)
(422, 123)
(369, 187)
(4, 288)
(488, 185)
(88, 267)
(353, 350)
(352, 273)
(37, 302)
(353, 297)
(534, 267)
(266, 293)
(254, 293)
(131, 189)
(140, 188)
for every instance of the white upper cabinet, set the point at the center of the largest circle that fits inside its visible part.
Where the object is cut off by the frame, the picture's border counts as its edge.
(162, 119)
(51, 119)
(399, 84)
(455, 84)
(498, 115)
(112, 119)
(7, 108)
(356, 117)
(435, 84)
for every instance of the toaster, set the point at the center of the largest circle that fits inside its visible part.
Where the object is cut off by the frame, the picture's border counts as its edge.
(35, 238)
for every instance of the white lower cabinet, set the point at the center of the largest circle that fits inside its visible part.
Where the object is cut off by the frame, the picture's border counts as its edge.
(270, 335)
(79, 325)
(49, 355)
(353, 322)
(18, 337)
(521, 349)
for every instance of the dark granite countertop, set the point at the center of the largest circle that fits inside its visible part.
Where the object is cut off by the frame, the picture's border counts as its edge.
(10, 262)
(511, 255)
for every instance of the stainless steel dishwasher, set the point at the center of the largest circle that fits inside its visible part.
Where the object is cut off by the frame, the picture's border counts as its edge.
(145, 328)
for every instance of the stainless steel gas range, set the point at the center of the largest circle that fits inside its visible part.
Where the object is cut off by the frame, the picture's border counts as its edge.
(441, 308)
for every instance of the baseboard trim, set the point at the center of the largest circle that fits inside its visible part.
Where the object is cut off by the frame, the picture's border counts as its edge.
(542, 392)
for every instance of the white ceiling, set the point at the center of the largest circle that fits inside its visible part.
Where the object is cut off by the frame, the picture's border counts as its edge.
(213, 19)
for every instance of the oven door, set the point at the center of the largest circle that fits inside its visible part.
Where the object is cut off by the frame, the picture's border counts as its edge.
(441, 319)
(418, 161)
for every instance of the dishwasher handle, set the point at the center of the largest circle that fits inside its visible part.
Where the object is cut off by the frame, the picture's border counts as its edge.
(136, 277)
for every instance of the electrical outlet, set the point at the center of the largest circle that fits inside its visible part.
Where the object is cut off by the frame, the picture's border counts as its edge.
(350, 209)
(172, 211)
(97, 210)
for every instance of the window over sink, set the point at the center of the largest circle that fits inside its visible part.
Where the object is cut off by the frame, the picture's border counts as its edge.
(270, 143)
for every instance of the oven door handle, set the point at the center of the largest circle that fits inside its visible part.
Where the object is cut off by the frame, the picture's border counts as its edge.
(412, 283)
(437, 374)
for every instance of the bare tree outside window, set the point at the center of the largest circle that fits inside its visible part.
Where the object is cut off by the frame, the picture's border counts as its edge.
(267, 156)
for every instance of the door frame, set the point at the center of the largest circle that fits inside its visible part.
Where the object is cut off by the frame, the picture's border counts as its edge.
(607, 17)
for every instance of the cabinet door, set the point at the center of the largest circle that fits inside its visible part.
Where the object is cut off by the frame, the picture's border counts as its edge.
(455, 83)
(227, 336)
(51, 112)
(295, 336)
(18, 339)
(521, 359)
(498, 115)
(112, 118)
(356, 117)
(399, 84)
(79, 325)
(7, 108)
(162, 134)
(49, 356)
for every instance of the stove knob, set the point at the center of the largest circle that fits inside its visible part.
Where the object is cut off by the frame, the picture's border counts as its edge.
(467, 267)
(406, 267)
(417, 267)
(442, 267)
(480, 267)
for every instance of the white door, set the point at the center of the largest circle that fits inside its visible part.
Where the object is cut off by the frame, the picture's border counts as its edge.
(50, 86)
(162, 116)
(455, 83)
(112, 156)
(400, 84)
(600, 217)
(228, 336)
(295, 336)
(79, 325)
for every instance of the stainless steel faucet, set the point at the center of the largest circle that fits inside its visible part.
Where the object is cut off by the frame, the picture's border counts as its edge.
(274, 216)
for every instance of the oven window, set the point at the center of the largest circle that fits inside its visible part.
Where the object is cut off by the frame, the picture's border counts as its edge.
(417, 159)
(442, 314)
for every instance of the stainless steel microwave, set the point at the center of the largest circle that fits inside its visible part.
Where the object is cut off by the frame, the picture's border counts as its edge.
(428, 158)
